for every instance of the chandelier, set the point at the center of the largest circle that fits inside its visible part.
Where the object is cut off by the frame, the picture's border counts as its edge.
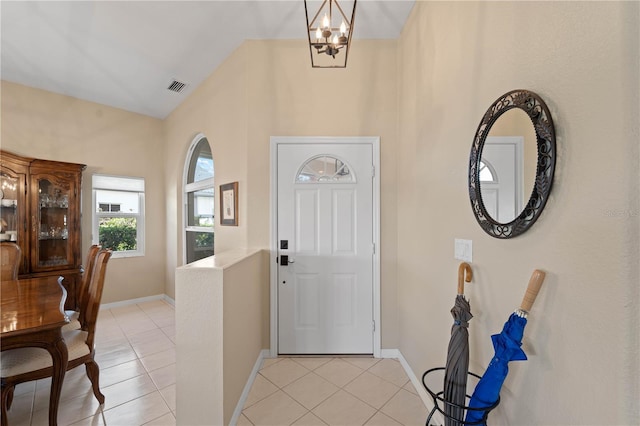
(329, 32)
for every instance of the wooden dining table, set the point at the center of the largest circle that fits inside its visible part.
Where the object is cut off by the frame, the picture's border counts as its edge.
(32, 311)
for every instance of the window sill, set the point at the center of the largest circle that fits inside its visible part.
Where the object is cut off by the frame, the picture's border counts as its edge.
(119, 254)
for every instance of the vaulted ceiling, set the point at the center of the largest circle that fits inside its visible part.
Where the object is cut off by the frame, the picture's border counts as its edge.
(126, 53)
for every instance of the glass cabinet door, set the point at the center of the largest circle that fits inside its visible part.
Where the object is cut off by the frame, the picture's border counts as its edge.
(12, 210)
(53, 220)
(9, 208)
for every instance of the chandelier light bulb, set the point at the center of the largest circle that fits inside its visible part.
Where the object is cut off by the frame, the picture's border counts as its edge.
(318, 34)
(335, 40)
(343, 28)
(325, 22)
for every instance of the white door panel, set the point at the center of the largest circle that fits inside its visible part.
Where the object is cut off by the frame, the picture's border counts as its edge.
(344, 220)
(503, 198)
(325, 296)
(490, 199)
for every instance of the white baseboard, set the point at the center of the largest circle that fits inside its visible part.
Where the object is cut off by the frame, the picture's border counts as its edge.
(389, 353)
(417, 384)
(169, 300)
(138, 300)
(415, 381)
(265, 353)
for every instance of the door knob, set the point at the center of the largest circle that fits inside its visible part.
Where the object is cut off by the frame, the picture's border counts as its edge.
(284, 260)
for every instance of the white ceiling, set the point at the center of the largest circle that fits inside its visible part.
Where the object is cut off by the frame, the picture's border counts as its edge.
(125, 53)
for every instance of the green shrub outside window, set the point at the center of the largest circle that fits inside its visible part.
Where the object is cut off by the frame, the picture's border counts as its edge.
(118, 233)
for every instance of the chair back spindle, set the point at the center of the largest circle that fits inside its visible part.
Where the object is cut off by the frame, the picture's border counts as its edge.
(11, 256)
(84, 283)
(94, 294)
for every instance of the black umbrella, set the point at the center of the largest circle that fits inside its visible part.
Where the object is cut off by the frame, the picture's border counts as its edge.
(507, 348)
(455, 376)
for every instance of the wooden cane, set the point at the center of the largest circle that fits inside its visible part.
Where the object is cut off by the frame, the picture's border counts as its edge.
(535, 282)
(464, 274)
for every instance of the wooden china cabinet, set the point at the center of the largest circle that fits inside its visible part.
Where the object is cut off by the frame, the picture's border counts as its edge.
(40, 210)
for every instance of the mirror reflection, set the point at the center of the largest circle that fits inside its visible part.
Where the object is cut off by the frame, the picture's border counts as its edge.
(511, 165)
(508, 165)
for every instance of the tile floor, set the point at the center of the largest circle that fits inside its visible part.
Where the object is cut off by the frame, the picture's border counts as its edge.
(135, 349)
(332, 391)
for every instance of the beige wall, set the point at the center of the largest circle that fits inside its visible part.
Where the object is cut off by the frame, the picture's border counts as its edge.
(289, 98)
(456, 58)
(245, 285)
(267, 88)
(45, 125)
(424, 96)
(218, 110)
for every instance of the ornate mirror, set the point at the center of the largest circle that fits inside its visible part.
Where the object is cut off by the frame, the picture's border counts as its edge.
(513, 154)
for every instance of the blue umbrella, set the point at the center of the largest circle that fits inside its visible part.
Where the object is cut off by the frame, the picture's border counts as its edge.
(507, 348)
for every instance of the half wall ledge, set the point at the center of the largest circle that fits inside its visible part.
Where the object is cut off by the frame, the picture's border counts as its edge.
(222, 317)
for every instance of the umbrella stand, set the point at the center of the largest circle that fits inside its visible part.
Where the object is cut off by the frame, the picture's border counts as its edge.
(444, 407)
(486, 395)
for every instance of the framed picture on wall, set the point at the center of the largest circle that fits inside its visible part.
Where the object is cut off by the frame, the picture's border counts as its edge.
(229, 204)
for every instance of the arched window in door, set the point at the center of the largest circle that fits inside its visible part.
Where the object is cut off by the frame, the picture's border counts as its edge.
(198, 201)
(487, 172)
(324, 169)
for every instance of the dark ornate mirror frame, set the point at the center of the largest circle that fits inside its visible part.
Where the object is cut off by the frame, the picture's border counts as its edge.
(540, 116)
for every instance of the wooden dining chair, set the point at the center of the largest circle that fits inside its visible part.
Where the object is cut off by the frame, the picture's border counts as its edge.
(76, 318)
(28, 364)
(11, 256)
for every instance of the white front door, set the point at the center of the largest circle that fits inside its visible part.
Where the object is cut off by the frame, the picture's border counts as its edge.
(325, 248)
(501, 184)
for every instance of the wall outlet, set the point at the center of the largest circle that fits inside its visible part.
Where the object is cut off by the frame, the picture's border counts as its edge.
(463, 250)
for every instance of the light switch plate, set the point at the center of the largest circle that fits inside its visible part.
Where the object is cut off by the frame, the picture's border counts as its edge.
(463, 250)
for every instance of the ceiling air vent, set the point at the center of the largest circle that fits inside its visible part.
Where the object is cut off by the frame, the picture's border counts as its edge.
(176, 86)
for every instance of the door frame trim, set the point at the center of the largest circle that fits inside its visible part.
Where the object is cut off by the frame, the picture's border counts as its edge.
(374, 142)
